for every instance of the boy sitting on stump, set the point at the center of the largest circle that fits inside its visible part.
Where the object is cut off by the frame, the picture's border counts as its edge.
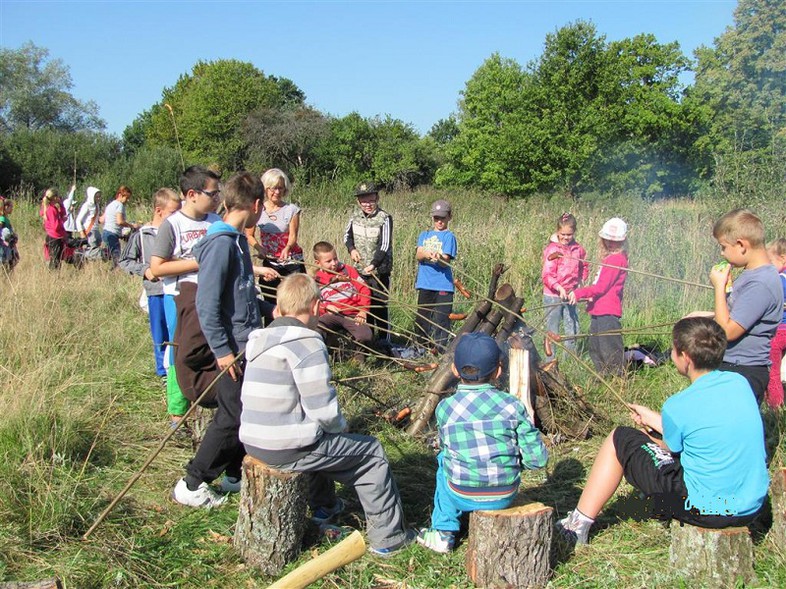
(291, 420)
(709, 469)
(486, 440)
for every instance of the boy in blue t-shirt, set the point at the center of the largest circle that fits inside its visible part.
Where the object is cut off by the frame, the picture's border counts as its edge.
(709, 469)
(436, 250)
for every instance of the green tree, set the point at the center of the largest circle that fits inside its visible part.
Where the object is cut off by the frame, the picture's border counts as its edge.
(34, 93)
(740, 96)
(209, 106)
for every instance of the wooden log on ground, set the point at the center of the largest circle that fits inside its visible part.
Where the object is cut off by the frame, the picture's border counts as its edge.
(271, 517)
(511, 547)
(778, 499)
(198, 423)
(44, 584)
(712, 558)
(349, 549)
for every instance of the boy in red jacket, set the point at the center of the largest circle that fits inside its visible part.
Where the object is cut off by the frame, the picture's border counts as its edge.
(345, 298)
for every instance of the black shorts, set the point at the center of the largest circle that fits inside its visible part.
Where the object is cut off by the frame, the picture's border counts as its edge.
(658, 474)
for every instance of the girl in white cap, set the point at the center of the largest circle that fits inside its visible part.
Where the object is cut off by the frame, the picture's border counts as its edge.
(604, 297)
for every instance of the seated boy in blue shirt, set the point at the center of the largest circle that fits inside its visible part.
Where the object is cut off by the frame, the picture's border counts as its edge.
(486, 440)
(709, 469)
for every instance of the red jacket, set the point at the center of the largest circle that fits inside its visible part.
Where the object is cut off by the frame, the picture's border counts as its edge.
(565, 271)
(53, 221)
(605, 293)
(345, 289)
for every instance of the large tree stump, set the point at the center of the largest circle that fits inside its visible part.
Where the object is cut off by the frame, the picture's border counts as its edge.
(510, 547)
(271, 517)
(778, 498)
(713, 558)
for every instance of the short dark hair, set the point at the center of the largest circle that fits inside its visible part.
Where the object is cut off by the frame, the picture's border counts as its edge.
(242, 190)
(196, 177)
(703, 340)
(323, 247)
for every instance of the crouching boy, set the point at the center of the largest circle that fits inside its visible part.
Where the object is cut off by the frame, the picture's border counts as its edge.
(292, 421)
(486, 440)
(709, 469)
(345, 296)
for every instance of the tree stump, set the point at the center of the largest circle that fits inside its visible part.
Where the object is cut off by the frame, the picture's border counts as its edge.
(778, 498)
(199, 422)
(271, 517)
(510, 547)
(714, 558)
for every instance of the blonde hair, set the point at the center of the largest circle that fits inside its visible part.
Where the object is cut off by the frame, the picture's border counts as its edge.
(273, 177)
(51, 194)
(777, 246)
(322, 247)
(162, 196)
(740, 224)
(296, 294)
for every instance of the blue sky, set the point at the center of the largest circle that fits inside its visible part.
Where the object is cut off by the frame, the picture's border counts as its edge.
(409, 60)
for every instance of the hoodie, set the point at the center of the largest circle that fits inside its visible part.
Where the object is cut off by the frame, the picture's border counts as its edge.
(88, 212)
(135, 258)
(226, 299)
(288, 401)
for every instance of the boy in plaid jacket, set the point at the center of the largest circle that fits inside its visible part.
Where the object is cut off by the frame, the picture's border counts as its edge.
(486, 440)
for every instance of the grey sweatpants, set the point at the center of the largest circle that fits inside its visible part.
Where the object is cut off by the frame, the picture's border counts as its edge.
(360, 462)
(606, 351)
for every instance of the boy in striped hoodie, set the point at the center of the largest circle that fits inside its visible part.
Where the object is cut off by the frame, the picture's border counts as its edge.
(291, 420)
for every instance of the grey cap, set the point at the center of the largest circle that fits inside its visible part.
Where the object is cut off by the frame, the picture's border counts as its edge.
(440, 208)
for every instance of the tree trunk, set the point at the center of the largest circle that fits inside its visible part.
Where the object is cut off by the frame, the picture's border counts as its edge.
(199, 422)
(778, 497)
(271, 517)
(511, 547)
(712, 558)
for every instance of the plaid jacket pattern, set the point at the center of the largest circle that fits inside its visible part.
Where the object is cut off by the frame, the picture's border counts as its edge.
(486, 438)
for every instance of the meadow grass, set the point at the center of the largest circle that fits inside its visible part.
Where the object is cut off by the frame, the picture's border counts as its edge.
(81, 406)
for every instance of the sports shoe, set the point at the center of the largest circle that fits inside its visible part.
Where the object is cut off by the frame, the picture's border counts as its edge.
(391, 550)
(323, 515)
(573, 532)
(436, 540)
(229, 485)
(204, 496)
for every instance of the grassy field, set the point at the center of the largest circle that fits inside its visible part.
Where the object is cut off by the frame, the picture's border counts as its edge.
(81, 406)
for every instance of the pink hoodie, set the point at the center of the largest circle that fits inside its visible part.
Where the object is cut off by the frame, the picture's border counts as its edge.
(566, 271)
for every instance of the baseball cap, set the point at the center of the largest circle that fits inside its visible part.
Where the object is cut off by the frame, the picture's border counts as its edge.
(615, 229)
(365, 188)
(478, 351)
(440, 208)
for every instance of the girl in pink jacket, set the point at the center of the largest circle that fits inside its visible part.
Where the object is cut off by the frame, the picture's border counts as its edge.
(564, 269)
(605, 299)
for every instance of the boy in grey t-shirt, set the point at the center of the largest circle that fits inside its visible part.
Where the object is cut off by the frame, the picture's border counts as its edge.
(751, 314)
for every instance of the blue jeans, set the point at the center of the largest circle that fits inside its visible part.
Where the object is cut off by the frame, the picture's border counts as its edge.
(158, 330)
(112, 242)
(448, 506)
(565, 313)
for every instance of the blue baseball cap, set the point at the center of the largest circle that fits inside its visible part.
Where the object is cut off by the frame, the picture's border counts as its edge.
(478, 351)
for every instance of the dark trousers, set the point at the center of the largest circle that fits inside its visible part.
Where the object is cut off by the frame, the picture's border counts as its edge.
(56, 247)
(112, 242)
(360, 332)
(378, 313)
(606, 351)
(432, 324)
(220, 450)
(757, 376)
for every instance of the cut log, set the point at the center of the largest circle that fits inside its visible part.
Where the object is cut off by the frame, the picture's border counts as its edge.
(778, 498)
(271, 517)
(45, 584)
(712, 558)
(519, 379)
(510, 547)
(199, 422)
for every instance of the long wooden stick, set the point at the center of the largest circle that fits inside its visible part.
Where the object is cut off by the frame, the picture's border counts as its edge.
(157, 451)
(556, 255)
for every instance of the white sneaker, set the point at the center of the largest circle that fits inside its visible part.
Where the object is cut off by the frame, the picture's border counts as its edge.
(204, 496)
(229, 485)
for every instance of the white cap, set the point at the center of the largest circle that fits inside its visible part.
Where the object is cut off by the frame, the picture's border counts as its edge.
(615, 229)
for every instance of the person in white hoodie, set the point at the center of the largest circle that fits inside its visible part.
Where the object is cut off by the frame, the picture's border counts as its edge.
(69, 204)
(87, 218)
(291, 420)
